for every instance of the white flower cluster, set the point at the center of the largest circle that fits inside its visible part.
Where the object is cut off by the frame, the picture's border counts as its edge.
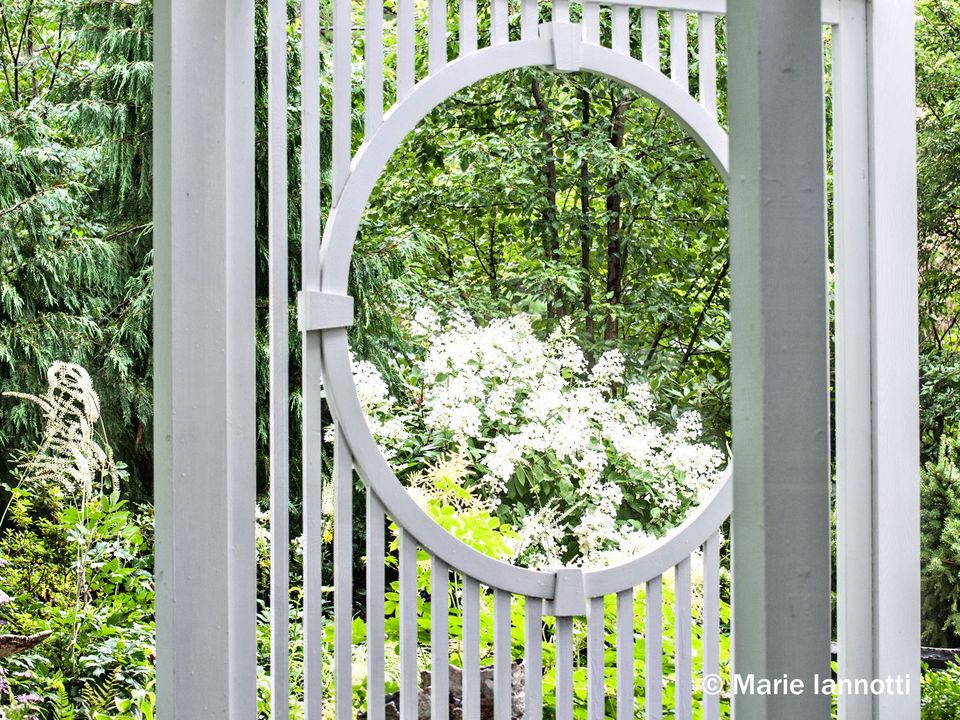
(518, 405)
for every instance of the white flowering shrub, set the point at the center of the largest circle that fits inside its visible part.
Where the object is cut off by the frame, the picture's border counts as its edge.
(560, 449)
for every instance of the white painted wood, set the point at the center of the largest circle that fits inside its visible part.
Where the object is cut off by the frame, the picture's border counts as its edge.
(620, 33)
(342, 97)
(711, 622)
(561, 11)
(376, 546)
(682, 645)
(895, 351)
(468, 27)
(625, 689)
(529, 19)
(322, 311)
(499, 22)
(591, 23)
(342, 575)
(708, 62)
(854, 402)
(650, 36)
(311, 380)
(439, 640)
(564, 671)
(781, 424)
(830, 9)
(279, 324)
(373, 66)
(204, 352)
(596, 685)
(406, 47)
(679, 57)
(502, 656)
(718, 7)
(408, 627)
(437, 35)
(533, 658)
(653, 649)
(471, 649)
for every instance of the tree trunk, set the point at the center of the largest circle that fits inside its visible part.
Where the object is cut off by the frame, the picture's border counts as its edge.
(550, 233)
(616, 257)
(585, 235)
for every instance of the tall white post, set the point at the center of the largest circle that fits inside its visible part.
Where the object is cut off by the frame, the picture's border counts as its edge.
(204, 359)
(853, 308)
(896, 442)
(781, 518)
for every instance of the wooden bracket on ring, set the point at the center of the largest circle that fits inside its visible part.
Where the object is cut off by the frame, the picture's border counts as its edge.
(323, 311)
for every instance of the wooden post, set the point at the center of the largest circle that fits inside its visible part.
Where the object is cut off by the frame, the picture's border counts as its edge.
(204, 360)
(781, 520)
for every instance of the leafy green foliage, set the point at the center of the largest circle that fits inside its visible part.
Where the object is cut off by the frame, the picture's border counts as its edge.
(941, 693)
(567, 197)
(940, 545)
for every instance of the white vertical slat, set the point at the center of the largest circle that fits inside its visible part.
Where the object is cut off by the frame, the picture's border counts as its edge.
(708, 62)
(312, 441)
(375, 618)
(342, 575)
(471, 649)
(650, 36)
(529, 19)
(679, 58)
(437, 36)
(468, 27)
(342, 101)
(625, 655)
(564, 684)
(653, 647)
(591, 23)
(621, 28)
(279, 325)
(596, 685)
(406, 47)
(533, 658)
(711, 622)
(502, 656)
(499, 22)
(373, 72)
(896, 466)
(683, 654)
(854, 402)
(439, 640)
(408, 626)
(561, 11)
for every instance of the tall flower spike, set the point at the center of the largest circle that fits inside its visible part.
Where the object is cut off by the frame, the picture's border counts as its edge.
(69, 453)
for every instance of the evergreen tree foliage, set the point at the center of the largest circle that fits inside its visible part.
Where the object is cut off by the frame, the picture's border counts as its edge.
(940, 545)
(75, 206)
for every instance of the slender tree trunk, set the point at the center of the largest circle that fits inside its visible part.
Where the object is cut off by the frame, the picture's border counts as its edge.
(695, 336)
(585, 235)
(616, 255)
(550, 233)
(492, 254)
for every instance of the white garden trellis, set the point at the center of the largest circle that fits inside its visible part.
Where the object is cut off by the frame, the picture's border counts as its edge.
(779, 492)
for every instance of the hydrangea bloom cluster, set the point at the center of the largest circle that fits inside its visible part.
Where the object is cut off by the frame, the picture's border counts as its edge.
(564, 450)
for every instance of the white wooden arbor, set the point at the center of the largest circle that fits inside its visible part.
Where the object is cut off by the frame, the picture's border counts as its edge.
(775, 163)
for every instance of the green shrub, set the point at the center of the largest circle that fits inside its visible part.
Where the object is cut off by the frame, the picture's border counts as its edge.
(940, 544)
(941, 693)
